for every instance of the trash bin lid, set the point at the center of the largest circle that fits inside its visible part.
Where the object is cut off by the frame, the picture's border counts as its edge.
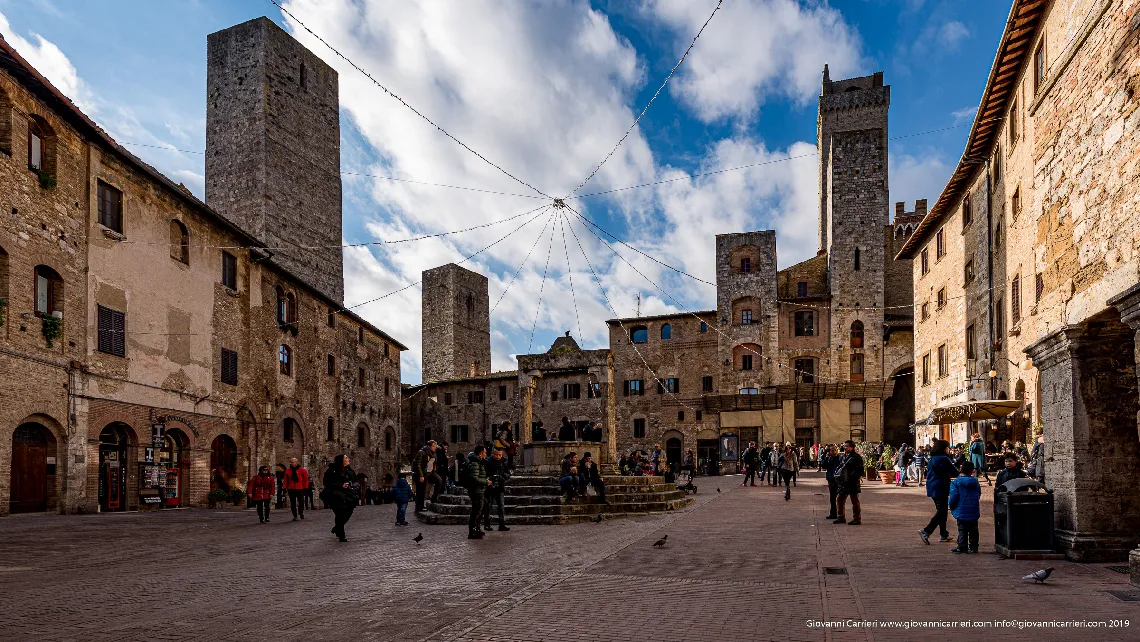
(1024, 484)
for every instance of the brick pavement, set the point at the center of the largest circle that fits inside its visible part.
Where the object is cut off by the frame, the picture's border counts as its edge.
(740, 565)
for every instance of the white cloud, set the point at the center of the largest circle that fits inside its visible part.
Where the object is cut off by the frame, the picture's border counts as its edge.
(952, 33)
(754, 50)
(47, 58)
(964, 115)
(914, 177)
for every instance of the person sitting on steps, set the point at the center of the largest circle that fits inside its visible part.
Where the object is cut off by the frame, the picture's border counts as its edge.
(569, 479)
(589, 476)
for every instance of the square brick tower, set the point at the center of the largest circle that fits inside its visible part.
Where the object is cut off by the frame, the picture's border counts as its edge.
(456, 324)
(854, 211)
(746, 308)
(273, 147)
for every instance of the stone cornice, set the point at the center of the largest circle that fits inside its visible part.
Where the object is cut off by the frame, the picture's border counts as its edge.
(1128, 303)
(1055, 346)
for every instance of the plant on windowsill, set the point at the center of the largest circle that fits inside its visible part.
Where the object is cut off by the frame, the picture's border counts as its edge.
(217, 496)
(288, 327)
(52, 328)
(47, 181)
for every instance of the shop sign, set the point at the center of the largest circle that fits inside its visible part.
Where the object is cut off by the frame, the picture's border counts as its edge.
(151, 500)
(184, 420)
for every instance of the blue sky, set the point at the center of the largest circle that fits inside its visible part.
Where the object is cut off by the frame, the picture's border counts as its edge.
(546, 90)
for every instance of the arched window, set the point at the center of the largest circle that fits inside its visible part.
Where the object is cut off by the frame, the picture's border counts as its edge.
(179, 242)
(666, 331)
(857, 334)
(639, 334)
(803, 370)
(285, 359)
(290, 308)
(49, 291)
(330, 430)
(288, 429)
(805, 323)
(282, 306)
(361, 435)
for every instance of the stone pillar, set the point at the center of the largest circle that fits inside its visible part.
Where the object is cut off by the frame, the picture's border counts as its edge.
(1128, 303)
(526, 404)
(1089, 401)
(605, 378)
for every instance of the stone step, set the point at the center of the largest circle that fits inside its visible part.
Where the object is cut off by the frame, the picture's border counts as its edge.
(573, 508)
(434, 518)
(554, 500)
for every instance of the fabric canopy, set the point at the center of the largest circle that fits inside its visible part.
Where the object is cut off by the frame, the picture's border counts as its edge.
(977, 410)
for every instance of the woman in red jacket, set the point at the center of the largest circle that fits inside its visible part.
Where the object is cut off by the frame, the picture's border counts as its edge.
(296, 483)
(261, 490)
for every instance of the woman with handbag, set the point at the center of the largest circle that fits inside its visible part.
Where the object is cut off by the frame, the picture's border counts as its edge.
(341, 493)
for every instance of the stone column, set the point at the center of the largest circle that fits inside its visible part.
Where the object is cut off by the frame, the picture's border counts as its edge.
(1128, 303)
(1089, 401)
(604, 375)
(526, 404)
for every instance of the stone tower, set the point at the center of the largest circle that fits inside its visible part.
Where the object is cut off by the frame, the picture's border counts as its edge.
(854, 211)
(746, 307)
(456, 324)
(273, 147)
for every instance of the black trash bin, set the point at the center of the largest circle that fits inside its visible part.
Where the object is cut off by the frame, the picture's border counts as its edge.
(1023, 518)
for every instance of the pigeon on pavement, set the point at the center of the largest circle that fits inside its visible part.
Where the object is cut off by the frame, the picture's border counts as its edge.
(1039, 576)
(418, 538)
(718, 490)
(598, 520)
(661, 542)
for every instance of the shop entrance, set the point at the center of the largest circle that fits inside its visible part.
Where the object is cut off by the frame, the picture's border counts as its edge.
(175, 469)
(708, 456)
(114, 445)
(33, 468)
(223, 463)
(673, 452)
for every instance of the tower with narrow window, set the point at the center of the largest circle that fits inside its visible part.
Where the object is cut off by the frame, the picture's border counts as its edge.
(273, 147)
(456, 324)
(854, 211)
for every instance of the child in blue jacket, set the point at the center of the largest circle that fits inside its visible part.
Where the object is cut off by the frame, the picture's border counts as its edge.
(402, 493)
(965, 496)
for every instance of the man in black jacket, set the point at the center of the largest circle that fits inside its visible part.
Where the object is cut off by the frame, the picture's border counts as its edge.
(423, 472)
(829, 461)
(849, 471)
(588, 475)
(498, 472)
(476, 483)
(751, 458)
(765, 467)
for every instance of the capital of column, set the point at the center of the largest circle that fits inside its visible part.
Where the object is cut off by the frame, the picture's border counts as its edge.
(1056, 346)
(1128, 303)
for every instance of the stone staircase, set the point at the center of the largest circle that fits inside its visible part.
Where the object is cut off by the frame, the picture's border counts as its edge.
(537, 500)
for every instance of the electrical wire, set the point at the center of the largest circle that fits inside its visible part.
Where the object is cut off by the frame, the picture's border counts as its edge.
(538, 309)
(655, 95)
(404, 102)
(661, 263)
(521, 264)
(570, 274)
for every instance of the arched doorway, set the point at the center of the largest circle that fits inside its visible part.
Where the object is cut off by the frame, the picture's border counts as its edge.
(673, 454)
(175, 469)
(33, 468)
(114, 450)
(223, 463)
(898, 409)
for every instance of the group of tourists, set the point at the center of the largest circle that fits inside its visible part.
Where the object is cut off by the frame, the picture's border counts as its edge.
(778, 463)
(580, 476)
(580, 431)
(639, 463)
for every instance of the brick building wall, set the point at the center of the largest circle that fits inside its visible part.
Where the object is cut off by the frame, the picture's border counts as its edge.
(438, 411)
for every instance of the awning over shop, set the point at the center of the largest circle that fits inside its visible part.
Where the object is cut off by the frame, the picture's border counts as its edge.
(977, 410)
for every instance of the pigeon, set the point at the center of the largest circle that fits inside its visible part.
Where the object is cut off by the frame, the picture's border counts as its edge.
(418, 538)
(598, 520)
(1039, 576)
(718, 490)
(661, 542)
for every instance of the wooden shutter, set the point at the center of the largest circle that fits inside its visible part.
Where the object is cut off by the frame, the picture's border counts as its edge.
(229, 367)
(112, 331)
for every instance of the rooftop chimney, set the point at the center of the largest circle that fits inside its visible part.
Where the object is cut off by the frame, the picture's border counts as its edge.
(920, 207)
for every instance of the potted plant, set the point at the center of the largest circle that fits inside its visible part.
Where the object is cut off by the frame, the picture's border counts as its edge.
(52, 328)
(237, 496)
(887, 464)
(217, 496)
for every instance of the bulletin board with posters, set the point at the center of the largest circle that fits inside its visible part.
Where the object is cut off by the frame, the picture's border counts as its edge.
(729, 446)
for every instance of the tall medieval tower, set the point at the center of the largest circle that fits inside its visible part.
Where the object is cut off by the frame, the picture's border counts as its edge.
(854, 210)
(273, 147)
(456, 324)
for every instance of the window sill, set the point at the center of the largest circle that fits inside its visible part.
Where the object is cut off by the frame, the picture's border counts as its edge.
(118, 237)
(230, 291)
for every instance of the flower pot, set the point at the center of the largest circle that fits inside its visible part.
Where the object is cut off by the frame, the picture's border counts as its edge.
(888, 476)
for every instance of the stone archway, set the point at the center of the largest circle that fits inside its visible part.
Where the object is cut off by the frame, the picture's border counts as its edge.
(33, 485)
(118, 447)
(898, 409)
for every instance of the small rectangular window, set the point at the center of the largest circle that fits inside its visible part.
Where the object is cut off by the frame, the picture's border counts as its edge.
(330, 430)
(362, 379)
(459, 434)
(999, 319)
(925, 262)
(746, 317)
(110, 207)
(1039, 69)
(746, 265)
(745, 362)
(926, 369)
(804, 370)
(939, 245)
(332, 366)
(971, 348)
(704, 327)
(680, 415)
(554, 395)
(387, 387)
(1015, 300)
(1014, 133)
(112, 331)
(502, 393)
(635, 387)
(229, 367)
(996, 164)
(801, 288)
(968, 271)
(967, 211)
(699, 415)
(332, 319)
(571, 391)
(941, 298)
(924, 311)
(360, 335)
(805, 323)
(748, 391)
(1015, 202)
(447, 399)
(857, 367)
(943, 365)
(706, 383)
(1038, 287)
(474, 396)
(639, 429)
(805, 410)
(229, 270)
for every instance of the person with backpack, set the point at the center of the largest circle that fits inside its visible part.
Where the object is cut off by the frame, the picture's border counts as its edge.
(941, 471)
(498, 473)
(849, 471)
(341, 493)
(474, 476)
(965, 498)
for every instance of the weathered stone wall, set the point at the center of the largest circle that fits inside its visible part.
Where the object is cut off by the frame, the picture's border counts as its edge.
(456, 324)
(427, 414)
(273, 147)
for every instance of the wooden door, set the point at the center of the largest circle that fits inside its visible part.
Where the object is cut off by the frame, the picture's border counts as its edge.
(29, 470)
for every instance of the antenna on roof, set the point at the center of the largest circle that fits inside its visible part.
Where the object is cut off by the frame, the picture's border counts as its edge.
(639, 305)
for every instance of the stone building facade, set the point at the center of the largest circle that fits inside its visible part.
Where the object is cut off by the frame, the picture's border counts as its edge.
(150, 349)
(456, 314)
(818, 352)
(1033, 241)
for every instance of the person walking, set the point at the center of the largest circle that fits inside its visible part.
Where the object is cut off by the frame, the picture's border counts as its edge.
(788, 464)
(751, 458)
(941, 471)
(774, 465)
(848, 472)
(341, 493)
(423, 471)
(476, 483)
(260, 491)
(402, 494)
(829, 462)
(978, 457)
(766, 462)
(309, 493)
(498, 473)
(965, 498)
(296, 484)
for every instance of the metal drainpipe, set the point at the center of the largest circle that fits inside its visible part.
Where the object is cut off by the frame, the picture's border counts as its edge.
(990, 268)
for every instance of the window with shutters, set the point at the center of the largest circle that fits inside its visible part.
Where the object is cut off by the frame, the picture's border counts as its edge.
(745, 362)
(1015, 300)
(179, 242)
(939, 245)
(857, 334)
(857, 367)
(112, 331)
(285, 360)
(639, 428)
(110, 207)
(924, 311)
(941, 299)
(968, 271)
(926, 369)
(459, 434)
(229, 270)
(943, 363)
(633, 387)
(571, 391)
(706, 383)
(332, 365)
(967, 211)
(49, 291)
(924, 259)
(229, 367)
(805, 323)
